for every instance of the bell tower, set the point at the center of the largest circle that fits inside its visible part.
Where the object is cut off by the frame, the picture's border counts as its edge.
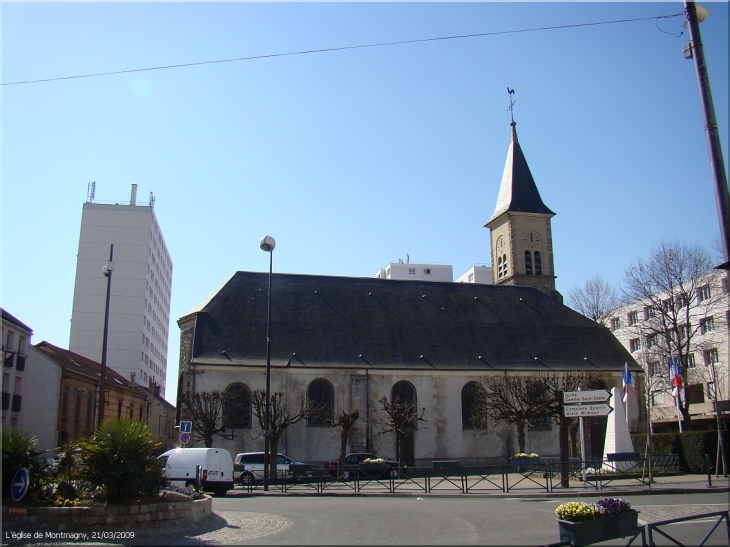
(520, 236)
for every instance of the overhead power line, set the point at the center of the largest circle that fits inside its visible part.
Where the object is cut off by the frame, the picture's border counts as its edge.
(344, 48)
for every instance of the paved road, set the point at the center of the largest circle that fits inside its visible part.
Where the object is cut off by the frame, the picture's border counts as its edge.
(446, 518)
(356, 520)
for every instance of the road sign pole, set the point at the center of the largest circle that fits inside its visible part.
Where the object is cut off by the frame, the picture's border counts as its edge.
(582, 448)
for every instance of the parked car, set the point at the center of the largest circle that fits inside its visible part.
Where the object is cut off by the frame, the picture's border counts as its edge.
(216, 468)
(249, 468)
(355, 461)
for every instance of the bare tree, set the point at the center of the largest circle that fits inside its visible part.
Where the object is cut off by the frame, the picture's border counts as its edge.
(281, 417)
(675, 289)
(595, 299)
(553, 384)
(510, 400)
(535, 399)
(210, 411)
(345, 422)
(400, 415)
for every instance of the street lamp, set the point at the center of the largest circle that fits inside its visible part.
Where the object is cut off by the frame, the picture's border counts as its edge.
(267, 244)
(107, 271)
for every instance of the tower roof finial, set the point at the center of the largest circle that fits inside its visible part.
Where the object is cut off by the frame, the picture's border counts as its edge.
(511, 104)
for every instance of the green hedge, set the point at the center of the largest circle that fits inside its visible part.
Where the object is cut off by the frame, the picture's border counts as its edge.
(691, 446)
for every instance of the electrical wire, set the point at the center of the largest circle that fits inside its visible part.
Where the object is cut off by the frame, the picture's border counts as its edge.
(343, 48)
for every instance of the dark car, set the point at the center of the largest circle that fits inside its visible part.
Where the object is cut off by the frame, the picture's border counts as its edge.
(366, 464)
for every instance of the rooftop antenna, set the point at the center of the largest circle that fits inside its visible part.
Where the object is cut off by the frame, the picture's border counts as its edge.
(152, 200)
(511, 103)
(91, 192)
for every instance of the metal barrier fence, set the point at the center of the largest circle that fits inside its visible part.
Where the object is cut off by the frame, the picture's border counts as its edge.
(549, 475)
(647, 531)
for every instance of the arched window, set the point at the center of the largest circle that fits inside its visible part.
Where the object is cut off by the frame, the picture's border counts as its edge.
(528, 262)
(473, 407)
(500, 273)
(504, 265)
(538, 263)
(237, 406)
(404, 393)
(320, 398)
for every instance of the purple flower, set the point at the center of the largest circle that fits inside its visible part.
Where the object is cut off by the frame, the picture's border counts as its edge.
(613, 506)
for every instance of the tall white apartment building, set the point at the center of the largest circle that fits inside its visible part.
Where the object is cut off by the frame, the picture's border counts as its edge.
(141, 286)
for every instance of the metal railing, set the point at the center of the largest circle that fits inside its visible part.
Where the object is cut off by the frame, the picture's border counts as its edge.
(549, 475)
(655, 527)
(647, 531)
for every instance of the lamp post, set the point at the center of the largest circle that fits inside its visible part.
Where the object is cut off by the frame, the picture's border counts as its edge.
(107, 271)
(267, 244)
(695, 15)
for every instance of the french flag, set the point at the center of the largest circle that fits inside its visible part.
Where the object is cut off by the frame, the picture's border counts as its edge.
(628, 380)
(675, 375)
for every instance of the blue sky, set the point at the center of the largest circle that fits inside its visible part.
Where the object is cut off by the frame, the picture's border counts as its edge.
(354, 158)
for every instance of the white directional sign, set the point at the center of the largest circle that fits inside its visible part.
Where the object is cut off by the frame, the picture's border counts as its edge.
(587, 396)
(582, 411)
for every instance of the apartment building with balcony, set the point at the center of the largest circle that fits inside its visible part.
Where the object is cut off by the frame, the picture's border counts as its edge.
(652, 331)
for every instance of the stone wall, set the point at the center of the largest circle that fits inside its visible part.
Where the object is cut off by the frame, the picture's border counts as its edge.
(112, 517)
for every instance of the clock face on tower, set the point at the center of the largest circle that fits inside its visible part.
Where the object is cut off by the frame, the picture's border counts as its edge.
(532, 240)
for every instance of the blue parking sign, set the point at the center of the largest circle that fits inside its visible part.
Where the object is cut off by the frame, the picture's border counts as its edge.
(20, 484)
(186, 427)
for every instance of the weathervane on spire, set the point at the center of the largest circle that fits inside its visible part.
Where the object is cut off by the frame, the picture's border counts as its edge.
(511, 103)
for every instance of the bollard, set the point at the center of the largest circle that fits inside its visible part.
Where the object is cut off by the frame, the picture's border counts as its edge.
(198, 472)
(707, 466)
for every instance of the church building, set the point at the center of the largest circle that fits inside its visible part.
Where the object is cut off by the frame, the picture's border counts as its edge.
(353, 341)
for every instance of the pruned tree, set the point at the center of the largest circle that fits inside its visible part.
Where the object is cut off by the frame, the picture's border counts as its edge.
(210, 411)
(399, 416)
(676, 292)
(595, 299)
(345, 421)
(281, 416)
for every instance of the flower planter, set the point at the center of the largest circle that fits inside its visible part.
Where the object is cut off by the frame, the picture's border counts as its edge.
(600, 529)
(522, 462)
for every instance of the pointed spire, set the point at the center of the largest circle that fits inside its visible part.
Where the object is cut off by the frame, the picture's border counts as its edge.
(518, 191)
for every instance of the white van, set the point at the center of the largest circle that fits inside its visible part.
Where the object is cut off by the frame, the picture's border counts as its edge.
(216, 468)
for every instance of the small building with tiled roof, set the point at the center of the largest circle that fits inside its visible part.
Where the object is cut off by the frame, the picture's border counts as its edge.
(78, 393)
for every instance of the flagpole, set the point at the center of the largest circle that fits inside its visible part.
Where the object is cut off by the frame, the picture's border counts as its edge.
(626, 387)
(674, 371)
(679, 413)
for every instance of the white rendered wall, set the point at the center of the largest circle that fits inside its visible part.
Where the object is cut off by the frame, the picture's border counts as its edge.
(41, 398)
(417, 272)
(481, 275)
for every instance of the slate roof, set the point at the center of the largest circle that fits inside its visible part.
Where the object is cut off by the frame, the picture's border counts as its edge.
(388, 324)
(518, 191)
